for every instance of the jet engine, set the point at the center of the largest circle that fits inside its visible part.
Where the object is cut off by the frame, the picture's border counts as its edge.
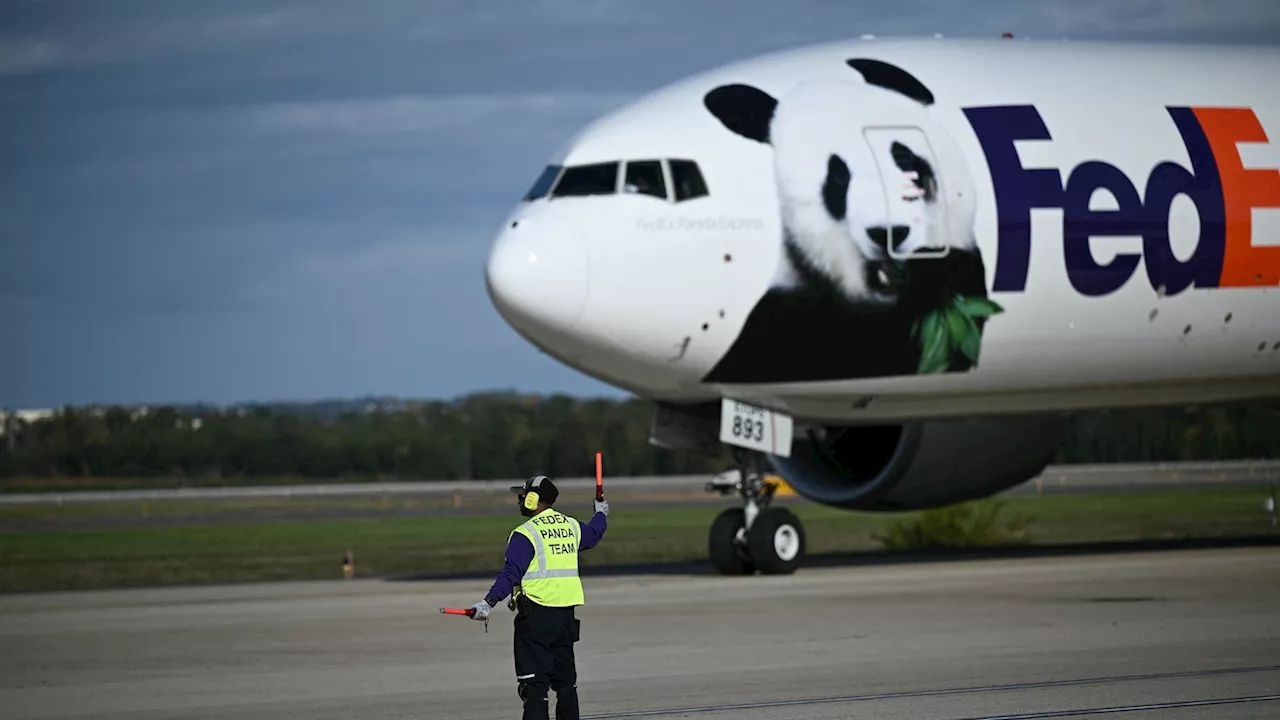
(918, 465)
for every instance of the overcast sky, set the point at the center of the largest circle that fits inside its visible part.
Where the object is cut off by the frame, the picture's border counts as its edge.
(243, 201)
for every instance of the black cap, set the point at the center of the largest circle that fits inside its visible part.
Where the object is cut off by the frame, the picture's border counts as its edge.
(540, 484)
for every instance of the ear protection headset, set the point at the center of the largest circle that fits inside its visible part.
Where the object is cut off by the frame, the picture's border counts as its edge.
(531, 496)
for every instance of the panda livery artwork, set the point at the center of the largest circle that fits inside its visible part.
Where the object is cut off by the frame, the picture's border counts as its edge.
(879, 272)
(888, 270)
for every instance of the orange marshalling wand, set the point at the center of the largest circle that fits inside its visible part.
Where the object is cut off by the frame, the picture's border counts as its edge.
(599, 479)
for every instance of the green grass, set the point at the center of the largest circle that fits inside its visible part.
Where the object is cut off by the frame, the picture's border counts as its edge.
(967, 525)
(299, 506)
(261, 551)
(102, 484)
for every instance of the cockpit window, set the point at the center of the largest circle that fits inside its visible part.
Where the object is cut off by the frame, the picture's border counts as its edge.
(687, 178)
(543, 183)
(596, 179)
(644, 177)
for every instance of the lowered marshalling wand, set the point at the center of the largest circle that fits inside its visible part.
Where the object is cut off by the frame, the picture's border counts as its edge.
(467, 612)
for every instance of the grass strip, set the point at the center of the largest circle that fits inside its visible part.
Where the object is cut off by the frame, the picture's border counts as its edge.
(32, 560)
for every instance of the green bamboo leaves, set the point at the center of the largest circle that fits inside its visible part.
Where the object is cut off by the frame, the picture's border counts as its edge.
(949, 336)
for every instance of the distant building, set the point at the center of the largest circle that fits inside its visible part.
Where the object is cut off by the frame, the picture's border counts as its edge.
(8, 417)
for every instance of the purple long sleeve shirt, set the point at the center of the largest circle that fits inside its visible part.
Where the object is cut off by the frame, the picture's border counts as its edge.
(520, 554)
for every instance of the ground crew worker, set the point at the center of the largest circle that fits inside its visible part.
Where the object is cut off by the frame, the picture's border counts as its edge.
(541, 575)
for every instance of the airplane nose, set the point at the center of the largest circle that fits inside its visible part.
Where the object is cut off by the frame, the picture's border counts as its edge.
(537, 273)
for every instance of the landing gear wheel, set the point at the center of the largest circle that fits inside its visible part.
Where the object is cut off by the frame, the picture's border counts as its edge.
(727, 553)
(773, 539)
(776, 542)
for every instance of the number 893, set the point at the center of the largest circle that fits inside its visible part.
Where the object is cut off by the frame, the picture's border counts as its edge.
(748, 429)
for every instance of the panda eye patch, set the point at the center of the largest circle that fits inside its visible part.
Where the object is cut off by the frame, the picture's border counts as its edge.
(909, 162)
(835, 188)
(903, 157)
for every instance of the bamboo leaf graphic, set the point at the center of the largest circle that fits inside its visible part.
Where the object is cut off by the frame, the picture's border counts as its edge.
(976, 307)
(972, 343)
(935, 355)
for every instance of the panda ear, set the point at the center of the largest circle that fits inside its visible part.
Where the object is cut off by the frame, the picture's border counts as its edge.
(744, 109)
(891, 77)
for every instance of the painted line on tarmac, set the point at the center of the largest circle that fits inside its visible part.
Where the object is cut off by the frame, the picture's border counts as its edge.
(696, 710)
(1132, 708)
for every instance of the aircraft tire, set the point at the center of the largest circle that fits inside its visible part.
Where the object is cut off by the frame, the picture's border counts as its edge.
(776, 542)
(726, 555)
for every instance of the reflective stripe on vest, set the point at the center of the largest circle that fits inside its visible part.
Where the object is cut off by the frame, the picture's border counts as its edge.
(552, 577)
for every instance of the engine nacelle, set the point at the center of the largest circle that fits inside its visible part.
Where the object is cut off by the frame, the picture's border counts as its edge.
(910, 466)
(919, 465)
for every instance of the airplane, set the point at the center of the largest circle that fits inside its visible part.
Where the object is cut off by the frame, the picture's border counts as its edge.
(889, 270)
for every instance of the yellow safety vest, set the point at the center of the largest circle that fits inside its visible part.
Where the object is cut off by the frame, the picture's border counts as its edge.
(552, 578)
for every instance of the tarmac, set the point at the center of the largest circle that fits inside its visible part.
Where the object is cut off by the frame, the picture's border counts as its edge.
(1054, 478)
(1176, 635)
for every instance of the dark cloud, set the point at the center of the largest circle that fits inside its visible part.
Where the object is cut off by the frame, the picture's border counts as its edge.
(259, 199)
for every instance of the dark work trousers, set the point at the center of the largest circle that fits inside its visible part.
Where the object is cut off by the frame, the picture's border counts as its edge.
(544, 638)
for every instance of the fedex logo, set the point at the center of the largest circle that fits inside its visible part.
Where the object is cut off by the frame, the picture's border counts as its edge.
(1223, 190)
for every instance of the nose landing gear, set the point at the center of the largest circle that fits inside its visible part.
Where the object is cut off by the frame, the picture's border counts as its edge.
(755, 536)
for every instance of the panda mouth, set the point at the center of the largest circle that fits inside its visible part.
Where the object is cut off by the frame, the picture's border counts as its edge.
(884, 275)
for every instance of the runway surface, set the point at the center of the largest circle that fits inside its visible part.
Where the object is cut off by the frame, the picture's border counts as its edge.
(1190, 634)
(678, 488)
(147, 508)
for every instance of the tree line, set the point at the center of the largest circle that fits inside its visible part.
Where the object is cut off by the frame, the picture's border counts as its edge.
(493, 436)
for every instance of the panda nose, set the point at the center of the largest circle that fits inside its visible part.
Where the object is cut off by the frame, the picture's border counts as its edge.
(880, 235)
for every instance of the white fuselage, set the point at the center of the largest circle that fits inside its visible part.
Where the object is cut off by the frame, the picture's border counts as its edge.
(649, 293)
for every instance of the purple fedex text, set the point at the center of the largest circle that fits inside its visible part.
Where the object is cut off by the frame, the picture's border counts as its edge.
(1018, 190)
